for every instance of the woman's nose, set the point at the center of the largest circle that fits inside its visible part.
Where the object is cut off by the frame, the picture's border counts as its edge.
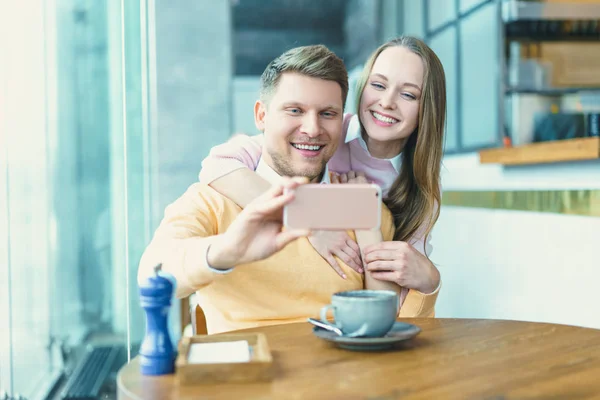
(387, 100)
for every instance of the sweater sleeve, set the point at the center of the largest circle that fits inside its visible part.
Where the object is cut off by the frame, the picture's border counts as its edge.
(418, 304)
(241, 151)
(182, 240)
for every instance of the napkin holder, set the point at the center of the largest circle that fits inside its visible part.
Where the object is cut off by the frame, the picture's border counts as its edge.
(259, 368)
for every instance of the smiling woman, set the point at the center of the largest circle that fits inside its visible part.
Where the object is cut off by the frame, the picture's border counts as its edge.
(404, 81)
(389, 105)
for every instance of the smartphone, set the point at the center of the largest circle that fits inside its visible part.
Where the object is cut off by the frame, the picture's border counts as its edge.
(334, 207)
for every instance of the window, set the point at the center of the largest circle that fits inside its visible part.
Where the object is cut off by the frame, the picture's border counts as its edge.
(465, 36)
(73, 217)
(479, 81)
(445, 46)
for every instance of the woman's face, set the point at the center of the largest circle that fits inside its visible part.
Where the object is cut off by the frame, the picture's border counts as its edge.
(389, 105)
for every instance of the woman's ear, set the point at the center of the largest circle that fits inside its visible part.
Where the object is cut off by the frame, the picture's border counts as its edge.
(260, 111)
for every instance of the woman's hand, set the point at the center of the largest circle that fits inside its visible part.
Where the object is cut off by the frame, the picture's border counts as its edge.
(350, 177)
(337, 243)
(402, 264)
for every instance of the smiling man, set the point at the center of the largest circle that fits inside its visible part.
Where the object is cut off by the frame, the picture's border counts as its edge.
(243, 276)
(301, 112)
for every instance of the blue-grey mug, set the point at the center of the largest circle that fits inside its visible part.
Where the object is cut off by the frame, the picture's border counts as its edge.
(363, 313)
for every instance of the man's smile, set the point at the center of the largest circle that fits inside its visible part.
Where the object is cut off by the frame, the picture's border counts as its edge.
(308, 149)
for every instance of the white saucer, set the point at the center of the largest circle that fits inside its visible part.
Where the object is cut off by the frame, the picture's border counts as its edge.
(400, 332)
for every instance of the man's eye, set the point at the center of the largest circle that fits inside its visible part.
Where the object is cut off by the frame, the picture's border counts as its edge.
(294, 110)
(329, 114)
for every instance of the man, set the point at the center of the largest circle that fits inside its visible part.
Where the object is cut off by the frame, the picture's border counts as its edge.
(245, 270)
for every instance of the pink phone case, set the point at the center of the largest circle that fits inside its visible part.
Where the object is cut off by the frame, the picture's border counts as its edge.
(334, 207)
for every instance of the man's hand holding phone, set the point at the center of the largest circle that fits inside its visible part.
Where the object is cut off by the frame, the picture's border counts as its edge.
(257, 231)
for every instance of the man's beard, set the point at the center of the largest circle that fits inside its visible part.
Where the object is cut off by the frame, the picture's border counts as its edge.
(282, 166)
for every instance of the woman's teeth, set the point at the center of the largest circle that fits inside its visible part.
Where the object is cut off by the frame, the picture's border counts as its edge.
(306, 147)
(382, 118)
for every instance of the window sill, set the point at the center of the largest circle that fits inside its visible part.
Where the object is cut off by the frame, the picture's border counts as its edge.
(546, 152)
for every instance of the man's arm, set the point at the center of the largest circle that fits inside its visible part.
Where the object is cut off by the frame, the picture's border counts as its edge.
(181, 242)
(188, 247)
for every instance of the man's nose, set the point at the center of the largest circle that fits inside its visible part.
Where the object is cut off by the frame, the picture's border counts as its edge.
(311, 125)
(387, 100)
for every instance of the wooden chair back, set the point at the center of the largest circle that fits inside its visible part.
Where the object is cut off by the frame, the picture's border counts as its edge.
(199, 321)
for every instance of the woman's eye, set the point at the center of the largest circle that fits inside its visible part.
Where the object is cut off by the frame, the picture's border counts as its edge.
(378, 86)
(409, 96)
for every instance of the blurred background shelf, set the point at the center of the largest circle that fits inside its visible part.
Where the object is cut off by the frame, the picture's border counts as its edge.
(551, 91)
(545, 152)
(513, 10)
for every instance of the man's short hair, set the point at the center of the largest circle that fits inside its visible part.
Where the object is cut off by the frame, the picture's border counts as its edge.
(315, 61)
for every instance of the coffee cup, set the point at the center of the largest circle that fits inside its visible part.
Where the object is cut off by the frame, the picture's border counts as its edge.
(366, 313)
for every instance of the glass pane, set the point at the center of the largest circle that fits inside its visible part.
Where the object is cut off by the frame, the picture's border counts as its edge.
(440, 12)
(24, 208)
(81, 163)
(479, 78)
(444, 44)
(64, 279)
(80, 172)
(466, 5)
(5, 283)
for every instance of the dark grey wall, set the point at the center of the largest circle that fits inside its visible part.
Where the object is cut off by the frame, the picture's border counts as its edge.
(362, 30)
(263, 29)
(194, 79)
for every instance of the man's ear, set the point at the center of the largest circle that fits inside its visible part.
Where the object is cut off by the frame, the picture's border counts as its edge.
(260, 110)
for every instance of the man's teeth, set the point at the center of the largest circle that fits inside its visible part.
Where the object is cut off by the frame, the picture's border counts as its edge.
(306, 147)
(382, 118)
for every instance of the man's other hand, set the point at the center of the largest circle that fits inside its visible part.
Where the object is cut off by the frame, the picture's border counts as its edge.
(257, 232)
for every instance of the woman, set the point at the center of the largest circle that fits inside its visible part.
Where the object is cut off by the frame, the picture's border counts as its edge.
(394, 140)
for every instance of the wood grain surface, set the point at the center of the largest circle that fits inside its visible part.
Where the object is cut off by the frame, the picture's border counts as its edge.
(450, 359)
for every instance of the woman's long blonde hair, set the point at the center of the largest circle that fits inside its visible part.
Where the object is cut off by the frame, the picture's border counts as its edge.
(414, 197)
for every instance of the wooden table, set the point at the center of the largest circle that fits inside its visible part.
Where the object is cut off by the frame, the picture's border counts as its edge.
(451, 358)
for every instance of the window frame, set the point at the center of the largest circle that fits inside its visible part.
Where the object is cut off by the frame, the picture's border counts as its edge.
(429, 34)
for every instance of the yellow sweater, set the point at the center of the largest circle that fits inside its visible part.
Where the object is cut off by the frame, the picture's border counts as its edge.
(287, 287)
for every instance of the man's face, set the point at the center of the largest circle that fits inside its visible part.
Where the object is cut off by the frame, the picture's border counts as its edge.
(302, 125)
